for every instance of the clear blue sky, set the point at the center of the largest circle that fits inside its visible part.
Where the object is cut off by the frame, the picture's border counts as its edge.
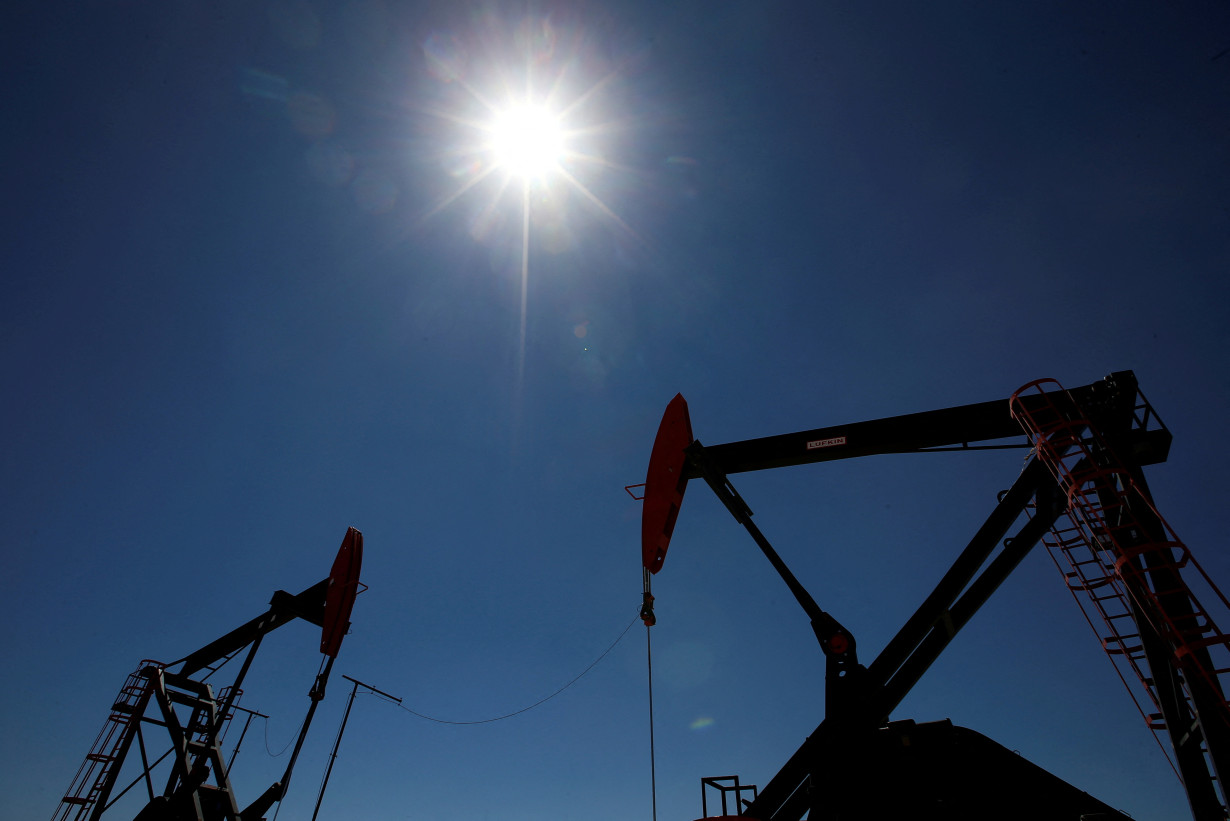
(235, 320)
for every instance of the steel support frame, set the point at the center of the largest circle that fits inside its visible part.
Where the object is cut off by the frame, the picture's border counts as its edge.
(1198, 732)
(858, 700)
(195, 744)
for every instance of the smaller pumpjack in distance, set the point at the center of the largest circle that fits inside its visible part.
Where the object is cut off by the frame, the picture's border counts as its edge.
(198, 787)
(1083, 494)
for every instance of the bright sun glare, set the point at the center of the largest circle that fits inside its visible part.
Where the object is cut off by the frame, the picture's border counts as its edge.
(523, 145)
(527, 141)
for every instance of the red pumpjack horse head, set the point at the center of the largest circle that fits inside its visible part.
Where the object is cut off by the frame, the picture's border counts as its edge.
(665, 484)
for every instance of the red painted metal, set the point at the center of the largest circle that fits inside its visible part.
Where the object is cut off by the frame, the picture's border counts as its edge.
(1108, 561)
(665, 483)
(340, 595)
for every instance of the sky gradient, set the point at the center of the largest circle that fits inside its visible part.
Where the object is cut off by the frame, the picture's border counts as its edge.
(259, 286)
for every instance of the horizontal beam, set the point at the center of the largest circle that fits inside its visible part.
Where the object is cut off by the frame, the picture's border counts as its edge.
(945, 428)
(308, 605)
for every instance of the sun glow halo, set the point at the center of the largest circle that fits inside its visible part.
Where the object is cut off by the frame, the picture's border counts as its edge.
(517, 154)
(527, 141)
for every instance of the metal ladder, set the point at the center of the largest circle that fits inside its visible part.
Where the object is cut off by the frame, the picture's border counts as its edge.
(87, 785)
(1112, 545)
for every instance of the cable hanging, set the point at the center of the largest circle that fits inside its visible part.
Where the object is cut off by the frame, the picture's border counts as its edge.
(650, 620)
(537, 703)
(653, 767)
(271, 753)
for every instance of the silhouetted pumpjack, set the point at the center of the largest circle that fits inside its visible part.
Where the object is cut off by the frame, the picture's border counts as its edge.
(1086, 498)
(196, 727)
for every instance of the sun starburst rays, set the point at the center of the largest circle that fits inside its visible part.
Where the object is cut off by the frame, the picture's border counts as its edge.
(512, 147)
(529, 138)
(462, 189)
(533, 134)
(596, 202)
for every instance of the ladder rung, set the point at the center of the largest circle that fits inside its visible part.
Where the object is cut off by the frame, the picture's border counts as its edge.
(1075, 563)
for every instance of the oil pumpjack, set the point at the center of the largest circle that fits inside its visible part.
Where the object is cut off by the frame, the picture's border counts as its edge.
(1083, 494)
(198, 786)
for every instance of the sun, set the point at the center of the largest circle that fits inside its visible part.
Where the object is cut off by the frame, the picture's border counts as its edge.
(534, 132)
(527, 141)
